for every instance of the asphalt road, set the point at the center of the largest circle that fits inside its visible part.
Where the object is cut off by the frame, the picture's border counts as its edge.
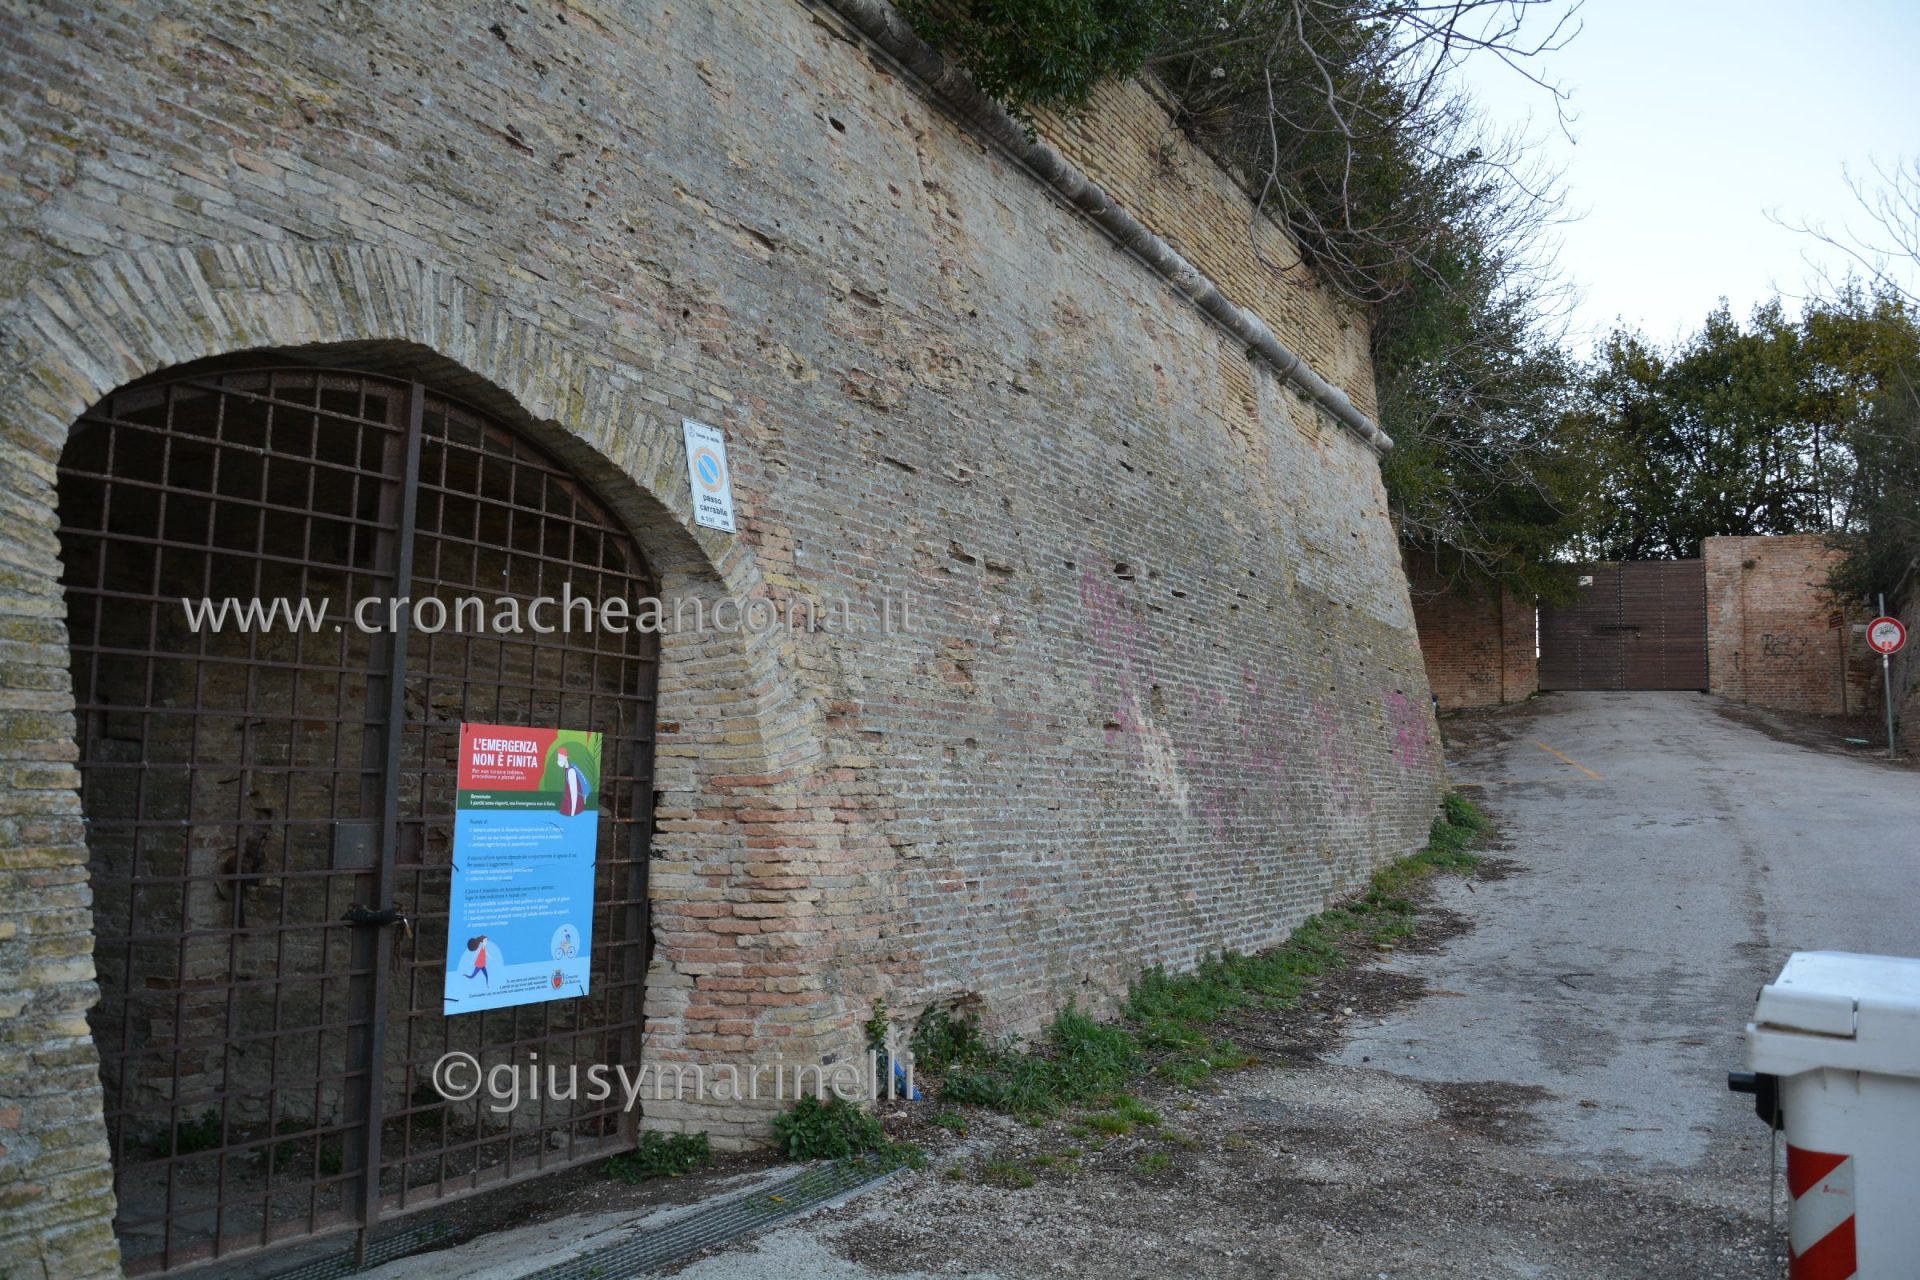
(1673, 859)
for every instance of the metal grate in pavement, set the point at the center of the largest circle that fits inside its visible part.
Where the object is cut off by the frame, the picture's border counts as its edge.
(647, 1251)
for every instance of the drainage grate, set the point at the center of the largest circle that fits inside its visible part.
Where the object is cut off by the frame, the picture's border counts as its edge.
(648, 1251)
(724, 1222)
(389, 1247)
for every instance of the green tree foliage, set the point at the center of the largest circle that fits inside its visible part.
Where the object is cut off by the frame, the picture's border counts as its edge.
(1740, 429)
(1481, 479)
(1348, 118)
(1882, 533)
(1398, 194)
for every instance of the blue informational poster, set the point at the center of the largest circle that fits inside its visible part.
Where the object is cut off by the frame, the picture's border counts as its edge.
(526, 828)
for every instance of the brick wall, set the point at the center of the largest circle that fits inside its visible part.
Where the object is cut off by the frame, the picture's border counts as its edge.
(1163, 695)
(1769, 638)
(1125, 139)
(1769, 641)
(1478, 644)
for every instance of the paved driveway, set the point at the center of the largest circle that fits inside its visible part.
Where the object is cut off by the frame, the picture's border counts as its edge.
(1674, 858)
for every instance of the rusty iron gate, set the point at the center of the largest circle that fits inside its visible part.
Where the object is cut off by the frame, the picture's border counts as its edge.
(1636, 624)
(264, 803)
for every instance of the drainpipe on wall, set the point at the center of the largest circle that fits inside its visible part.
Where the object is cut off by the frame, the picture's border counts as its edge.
(878, 22)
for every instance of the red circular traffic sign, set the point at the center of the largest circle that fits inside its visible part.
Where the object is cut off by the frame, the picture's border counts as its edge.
(1886, 635)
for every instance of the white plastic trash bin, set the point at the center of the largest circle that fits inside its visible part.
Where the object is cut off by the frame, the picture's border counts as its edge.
(1841, 1032)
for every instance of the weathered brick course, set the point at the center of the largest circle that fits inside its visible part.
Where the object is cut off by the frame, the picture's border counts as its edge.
(1770, 641)
(1163, 695)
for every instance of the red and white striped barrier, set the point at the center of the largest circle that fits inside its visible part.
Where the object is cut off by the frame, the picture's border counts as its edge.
(1820, 1222)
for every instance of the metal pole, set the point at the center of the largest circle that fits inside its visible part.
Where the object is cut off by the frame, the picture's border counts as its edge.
(1886, 679)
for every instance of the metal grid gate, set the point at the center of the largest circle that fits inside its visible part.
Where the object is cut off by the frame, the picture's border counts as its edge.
(266, 1060)
(1636, 624)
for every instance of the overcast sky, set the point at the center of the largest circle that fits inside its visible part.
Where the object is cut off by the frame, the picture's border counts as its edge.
(1694, 119)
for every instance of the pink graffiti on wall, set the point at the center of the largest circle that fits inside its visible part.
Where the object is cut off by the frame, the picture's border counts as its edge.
(1236, 742)
(1346, 780)
(1412, 739)
(1239, 743)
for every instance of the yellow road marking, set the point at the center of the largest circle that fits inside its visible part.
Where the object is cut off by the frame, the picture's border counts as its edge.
(1569, 759)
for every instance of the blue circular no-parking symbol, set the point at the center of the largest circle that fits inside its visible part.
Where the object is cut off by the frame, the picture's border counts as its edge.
(708, 470)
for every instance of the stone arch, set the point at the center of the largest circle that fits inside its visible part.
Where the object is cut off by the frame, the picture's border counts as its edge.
(510, 348)
(513, 348)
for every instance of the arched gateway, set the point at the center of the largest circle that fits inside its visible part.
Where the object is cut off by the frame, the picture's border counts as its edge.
(269, 805)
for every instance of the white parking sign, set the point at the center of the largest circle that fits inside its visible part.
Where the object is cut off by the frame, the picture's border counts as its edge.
(707, 475)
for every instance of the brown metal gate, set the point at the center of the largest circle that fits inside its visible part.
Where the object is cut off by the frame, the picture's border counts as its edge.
(1636, 624)
(258, 796)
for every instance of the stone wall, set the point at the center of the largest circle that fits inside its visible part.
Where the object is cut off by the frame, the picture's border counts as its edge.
(1479, 645)
(1162, 694)
(1770, 634)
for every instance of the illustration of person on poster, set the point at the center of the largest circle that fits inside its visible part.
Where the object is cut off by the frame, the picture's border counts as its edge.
(478, 948)
(574, 787)
(525, 838)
